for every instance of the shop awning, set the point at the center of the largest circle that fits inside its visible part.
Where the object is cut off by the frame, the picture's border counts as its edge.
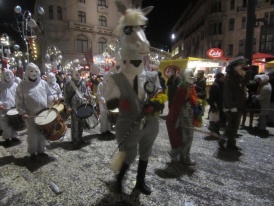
(262, 56)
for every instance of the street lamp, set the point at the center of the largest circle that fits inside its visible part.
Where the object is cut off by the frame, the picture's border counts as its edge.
(172, 40)
(26, 25)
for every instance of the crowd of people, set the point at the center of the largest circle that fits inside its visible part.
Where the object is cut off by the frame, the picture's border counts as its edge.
(230, 98)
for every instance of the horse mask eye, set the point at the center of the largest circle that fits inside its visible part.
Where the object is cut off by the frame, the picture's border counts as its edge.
(128, 30)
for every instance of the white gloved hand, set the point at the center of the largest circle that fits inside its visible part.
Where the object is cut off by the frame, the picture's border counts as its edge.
(234, 110)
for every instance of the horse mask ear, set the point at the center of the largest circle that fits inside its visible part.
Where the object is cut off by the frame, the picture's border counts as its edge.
(121, 7)
(147, 10)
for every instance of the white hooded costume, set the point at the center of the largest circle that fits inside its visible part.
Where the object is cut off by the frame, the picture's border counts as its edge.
(105, 124)
(263, 95)
(54, 87)
(33, 95)
(7, 101)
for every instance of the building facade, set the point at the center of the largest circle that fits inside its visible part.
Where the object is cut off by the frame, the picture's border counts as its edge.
(222, 24)
(78, 28)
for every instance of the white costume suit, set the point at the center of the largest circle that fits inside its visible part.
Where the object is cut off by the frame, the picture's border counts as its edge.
(54, 87)
(32, 97)
(104, 122)
(7, 100)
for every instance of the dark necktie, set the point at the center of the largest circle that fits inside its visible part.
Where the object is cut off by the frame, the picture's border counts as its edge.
(135, 85)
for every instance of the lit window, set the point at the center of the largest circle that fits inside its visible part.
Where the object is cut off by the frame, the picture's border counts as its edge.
(82, 43)
(82, 1)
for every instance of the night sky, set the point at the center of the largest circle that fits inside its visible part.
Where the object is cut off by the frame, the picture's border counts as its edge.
(161, 19)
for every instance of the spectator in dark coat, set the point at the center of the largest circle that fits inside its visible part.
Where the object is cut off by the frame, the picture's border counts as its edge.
(200, 85)
(234, 99)
(216, 103)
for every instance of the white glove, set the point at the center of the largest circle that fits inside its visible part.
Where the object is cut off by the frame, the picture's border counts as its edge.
(234, 110)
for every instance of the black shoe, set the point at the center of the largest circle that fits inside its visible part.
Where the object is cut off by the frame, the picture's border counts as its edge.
(76, 145)
(7, 143)
(119, 186)
(233, 147)
(142, 187)
(33, 157)
(42, 155)
(221, 143)
(14, 139)
(188, 162)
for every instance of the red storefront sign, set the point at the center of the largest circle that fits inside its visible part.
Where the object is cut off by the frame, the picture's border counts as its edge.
(215, 53)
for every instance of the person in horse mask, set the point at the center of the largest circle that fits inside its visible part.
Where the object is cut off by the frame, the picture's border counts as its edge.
(7, 101)
(72, 101)
(128, 91)
(234, 98)
(32, 96)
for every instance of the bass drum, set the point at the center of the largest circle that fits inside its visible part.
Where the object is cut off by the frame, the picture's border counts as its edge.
(15, 119)
(51, 124)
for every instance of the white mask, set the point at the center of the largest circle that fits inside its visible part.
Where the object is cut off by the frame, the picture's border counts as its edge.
(76, 75)
(8, 76)
(188, 76)
(51, 78)
(32, 74)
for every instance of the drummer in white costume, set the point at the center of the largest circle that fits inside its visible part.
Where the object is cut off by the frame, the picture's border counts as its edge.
(105, 124)
(33, 95)
(54, 87)
(7, 101)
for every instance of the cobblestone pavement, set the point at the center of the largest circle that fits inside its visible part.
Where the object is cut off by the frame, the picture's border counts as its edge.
(85, 178)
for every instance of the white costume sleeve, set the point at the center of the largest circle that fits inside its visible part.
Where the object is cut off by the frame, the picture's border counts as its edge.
(100, 92)
(49, 94)
(59, 92)
(19, 99)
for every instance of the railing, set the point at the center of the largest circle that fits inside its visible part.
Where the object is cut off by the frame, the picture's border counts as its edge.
(90, 27)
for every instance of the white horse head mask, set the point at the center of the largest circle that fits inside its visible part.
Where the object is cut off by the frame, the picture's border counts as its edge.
(134, 43)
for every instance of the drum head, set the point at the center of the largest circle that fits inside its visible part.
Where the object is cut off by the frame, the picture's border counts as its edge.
(84, 111)
(46, 116)
(12, 112)
(60, 107)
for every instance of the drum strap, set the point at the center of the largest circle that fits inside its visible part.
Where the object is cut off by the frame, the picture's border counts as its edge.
(76, 89)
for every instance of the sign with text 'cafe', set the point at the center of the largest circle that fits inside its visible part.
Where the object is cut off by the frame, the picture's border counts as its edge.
(215, 53)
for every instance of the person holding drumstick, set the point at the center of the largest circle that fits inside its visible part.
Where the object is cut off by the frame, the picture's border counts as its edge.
(7, 101)
(72, 100)
(33, 95)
